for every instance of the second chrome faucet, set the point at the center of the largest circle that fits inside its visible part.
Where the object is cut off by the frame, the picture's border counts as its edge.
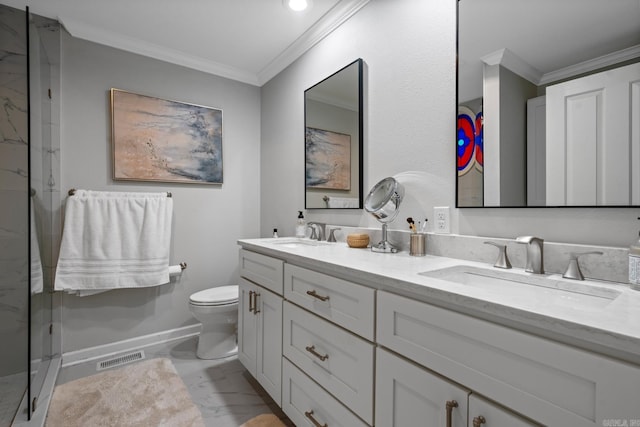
(535, 253)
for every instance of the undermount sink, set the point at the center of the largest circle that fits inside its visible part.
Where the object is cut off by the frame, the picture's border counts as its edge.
(296, 242)
(534, 287)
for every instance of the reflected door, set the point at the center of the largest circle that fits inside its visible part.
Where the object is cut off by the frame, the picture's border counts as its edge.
(593, 141)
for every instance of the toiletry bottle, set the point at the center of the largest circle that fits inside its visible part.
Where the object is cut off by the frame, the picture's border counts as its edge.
(275, 232)
(301, 228)
(634, 264)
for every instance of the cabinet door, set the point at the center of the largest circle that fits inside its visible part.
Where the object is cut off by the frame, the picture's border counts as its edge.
(269, 351)
(408, 395)
(483, 413)
(247, 322)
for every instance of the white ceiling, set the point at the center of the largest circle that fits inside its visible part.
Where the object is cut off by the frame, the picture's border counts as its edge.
(550, 36)
(246, 40)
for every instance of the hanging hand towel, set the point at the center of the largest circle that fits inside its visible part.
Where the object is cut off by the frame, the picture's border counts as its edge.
(114, 240)
(343, 202)
(37, 279)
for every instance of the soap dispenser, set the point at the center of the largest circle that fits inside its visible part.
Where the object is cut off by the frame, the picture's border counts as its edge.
(301, 228)
(634, 264)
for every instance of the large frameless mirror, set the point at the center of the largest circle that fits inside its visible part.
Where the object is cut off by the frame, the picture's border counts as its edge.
(333, 140)
(534, 128)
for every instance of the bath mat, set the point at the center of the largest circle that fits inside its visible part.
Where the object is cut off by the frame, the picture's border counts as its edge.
(264, 420)
(148, 393)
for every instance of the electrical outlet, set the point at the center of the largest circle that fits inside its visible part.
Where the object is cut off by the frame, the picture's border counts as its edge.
(442, 220)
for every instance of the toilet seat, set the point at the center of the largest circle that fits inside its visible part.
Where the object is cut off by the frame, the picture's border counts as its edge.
(221, 295)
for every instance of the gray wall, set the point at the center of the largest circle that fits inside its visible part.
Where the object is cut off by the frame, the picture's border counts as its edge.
(208, 219)
(409, 49)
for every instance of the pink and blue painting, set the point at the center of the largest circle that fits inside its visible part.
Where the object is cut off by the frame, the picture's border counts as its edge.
(167, 141)
(328, 159)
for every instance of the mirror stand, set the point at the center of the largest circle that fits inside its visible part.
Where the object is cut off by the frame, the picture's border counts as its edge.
(383, 202)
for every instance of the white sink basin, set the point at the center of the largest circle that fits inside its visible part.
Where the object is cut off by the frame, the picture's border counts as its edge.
(296, 242)
(541, 288)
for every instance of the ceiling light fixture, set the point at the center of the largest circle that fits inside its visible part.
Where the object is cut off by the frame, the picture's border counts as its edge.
(297, 5)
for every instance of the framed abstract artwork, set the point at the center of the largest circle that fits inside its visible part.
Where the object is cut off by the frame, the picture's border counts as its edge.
(328, 159)
(156, 139)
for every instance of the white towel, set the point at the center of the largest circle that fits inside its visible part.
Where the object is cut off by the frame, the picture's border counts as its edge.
(37, 281)
(114, 240)
(343, 202)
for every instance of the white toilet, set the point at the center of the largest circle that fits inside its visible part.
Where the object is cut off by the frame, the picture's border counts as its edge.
(217, 310)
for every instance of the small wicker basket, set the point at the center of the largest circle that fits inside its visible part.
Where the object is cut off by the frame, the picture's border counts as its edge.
(358, 240)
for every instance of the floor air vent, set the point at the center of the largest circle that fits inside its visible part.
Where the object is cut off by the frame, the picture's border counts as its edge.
(121, 360)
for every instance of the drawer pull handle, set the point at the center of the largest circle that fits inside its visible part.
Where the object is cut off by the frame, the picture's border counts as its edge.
(450, 405)
(251, 308)
(313, 420)
(478, 421)
(255, 303)
(313, 351)
(315, 295)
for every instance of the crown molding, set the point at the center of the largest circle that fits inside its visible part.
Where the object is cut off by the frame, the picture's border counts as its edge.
(130, 44)
(513, 62)
(328, 23)
(627, 54)
(325, 26)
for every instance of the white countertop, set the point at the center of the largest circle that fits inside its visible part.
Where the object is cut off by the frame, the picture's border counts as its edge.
(613, 330)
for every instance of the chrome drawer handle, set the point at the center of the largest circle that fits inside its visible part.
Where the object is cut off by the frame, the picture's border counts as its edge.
(315, 295)
(313, 420)
(478, 421)
(313, 351)
(450, 405)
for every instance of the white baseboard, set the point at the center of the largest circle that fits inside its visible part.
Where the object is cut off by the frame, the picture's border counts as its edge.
(98, 352)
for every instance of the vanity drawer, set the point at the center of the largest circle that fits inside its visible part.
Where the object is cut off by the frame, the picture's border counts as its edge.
(303, 399)
(349, 305)
(547, 381)
(336, 359)
(262, 270)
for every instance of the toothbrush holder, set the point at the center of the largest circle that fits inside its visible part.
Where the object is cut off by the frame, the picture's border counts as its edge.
(417, 244)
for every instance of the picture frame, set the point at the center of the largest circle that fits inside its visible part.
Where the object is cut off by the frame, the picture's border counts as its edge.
(327, 159)
(159, 140)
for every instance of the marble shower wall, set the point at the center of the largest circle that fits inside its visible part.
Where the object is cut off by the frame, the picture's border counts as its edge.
(14, 201)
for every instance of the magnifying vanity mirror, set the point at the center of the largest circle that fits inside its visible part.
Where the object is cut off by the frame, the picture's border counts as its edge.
(383, 202)
(548, 108)
(333, 140)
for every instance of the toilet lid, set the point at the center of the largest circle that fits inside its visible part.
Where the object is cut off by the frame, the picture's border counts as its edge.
(216, 296)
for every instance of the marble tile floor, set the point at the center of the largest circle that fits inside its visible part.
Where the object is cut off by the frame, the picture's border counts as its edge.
(225, 392)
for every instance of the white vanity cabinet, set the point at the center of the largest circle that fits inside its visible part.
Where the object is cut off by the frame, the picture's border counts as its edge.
(260, 320)
(548, 382)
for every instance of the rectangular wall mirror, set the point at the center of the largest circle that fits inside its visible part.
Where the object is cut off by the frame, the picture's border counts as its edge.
(333, 140)
(548, 107)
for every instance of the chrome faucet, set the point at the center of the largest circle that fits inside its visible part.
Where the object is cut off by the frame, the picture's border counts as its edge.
(320, 227)
(535, 253)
